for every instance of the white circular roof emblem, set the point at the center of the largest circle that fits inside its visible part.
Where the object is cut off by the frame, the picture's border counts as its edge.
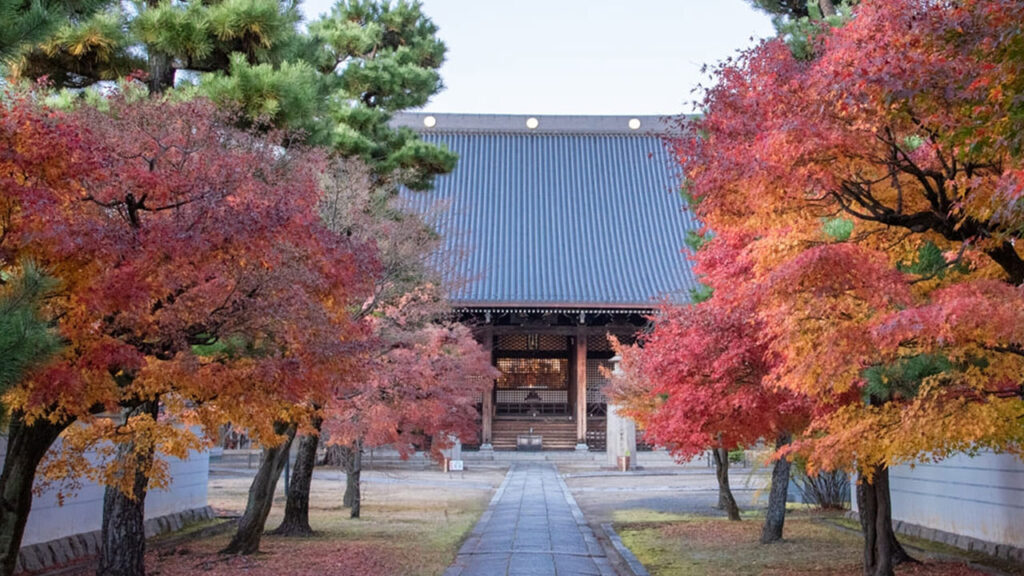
(429, 121)
(532, 123)
(634, 123)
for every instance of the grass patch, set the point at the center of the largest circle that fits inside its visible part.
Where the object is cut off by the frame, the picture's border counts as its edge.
(942, 550)
(189, 530)
(407, 528)
(643, 515)
(715, 546)
(425, 536)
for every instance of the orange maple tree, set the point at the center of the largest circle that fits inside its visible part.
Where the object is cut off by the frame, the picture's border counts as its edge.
(698, 380)
(167, 231)
(875, 191)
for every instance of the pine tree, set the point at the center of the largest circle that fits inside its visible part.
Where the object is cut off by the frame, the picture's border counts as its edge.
(82, 52)
(795, 9)
(24, 23)
(800, 21)
(335, 84)
(26, 338)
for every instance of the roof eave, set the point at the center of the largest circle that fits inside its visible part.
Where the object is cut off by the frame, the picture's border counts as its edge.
(556, 307)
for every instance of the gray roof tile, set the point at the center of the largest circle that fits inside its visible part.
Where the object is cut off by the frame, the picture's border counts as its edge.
(585, 213)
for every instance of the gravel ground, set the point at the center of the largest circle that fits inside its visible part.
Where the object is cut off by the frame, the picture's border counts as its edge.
(229, 484)
(677, 490)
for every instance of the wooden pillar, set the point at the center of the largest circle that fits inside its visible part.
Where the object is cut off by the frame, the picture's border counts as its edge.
(581, 389)
(487, 410)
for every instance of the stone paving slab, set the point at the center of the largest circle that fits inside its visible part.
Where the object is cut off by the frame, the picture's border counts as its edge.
(532, 527)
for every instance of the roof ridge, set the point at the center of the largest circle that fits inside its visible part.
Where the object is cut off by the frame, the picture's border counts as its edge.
(638, 125)
(549, 132)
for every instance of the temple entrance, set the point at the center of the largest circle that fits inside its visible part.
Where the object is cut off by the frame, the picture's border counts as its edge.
(551, 382)
(533, 387)
(535, 376)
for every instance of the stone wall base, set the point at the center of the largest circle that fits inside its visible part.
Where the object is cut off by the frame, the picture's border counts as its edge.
(1004, 551)
(78, 546)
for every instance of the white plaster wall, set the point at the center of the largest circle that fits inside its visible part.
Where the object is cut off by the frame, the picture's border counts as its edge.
(83, 511)
(980, 497)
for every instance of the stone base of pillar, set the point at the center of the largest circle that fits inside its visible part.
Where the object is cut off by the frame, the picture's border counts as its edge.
(486, 448)
(581, 447)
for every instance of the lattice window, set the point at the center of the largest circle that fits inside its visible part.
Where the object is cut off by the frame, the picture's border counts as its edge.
(543, 373)
(512, 342)
(552, 343)
(532, 343)
(532, 396)
(599, 343)
(596, 381)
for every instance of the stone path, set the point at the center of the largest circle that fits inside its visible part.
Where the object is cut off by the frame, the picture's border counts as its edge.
(532, 527)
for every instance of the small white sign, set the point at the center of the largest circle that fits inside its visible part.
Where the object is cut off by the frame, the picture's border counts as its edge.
(454, 465)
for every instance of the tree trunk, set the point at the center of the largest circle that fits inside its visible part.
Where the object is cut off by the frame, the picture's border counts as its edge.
(261, 495)
(335, 455)
(725, 499)
(827, 8)
(881, 549)
(296, 509)
(775, 517)
(26, 446)
(123, 550)
(1006, 256)
(353, 469)
(161, 73)
(161, 69)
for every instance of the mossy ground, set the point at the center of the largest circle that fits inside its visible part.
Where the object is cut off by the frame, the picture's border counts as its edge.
(813, 545)
(412, 524)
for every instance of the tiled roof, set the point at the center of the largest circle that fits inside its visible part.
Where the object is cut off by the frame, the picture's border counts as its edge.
(578, 212)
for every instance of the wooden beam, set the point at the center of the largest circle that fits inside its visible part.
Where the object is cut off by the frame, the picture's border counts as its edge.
(487, 408)
(571, 383)
(553, 330)
(581, 386)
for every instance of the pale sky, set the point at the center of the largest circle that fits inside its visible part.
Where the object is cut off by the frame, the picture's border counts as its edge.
(581, 56)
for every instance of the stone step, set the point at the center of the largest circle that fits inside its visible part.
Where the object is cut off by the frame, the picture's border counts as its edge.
(556, 433)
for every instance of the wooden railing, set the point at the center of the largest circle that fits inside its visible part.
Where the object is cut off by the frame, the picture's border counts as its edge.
(526, 401)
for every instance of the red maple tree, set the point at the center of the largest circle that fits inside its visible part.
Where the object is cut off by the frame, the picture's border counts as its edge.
(877, 188)
(699, 380)
(169, 231)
